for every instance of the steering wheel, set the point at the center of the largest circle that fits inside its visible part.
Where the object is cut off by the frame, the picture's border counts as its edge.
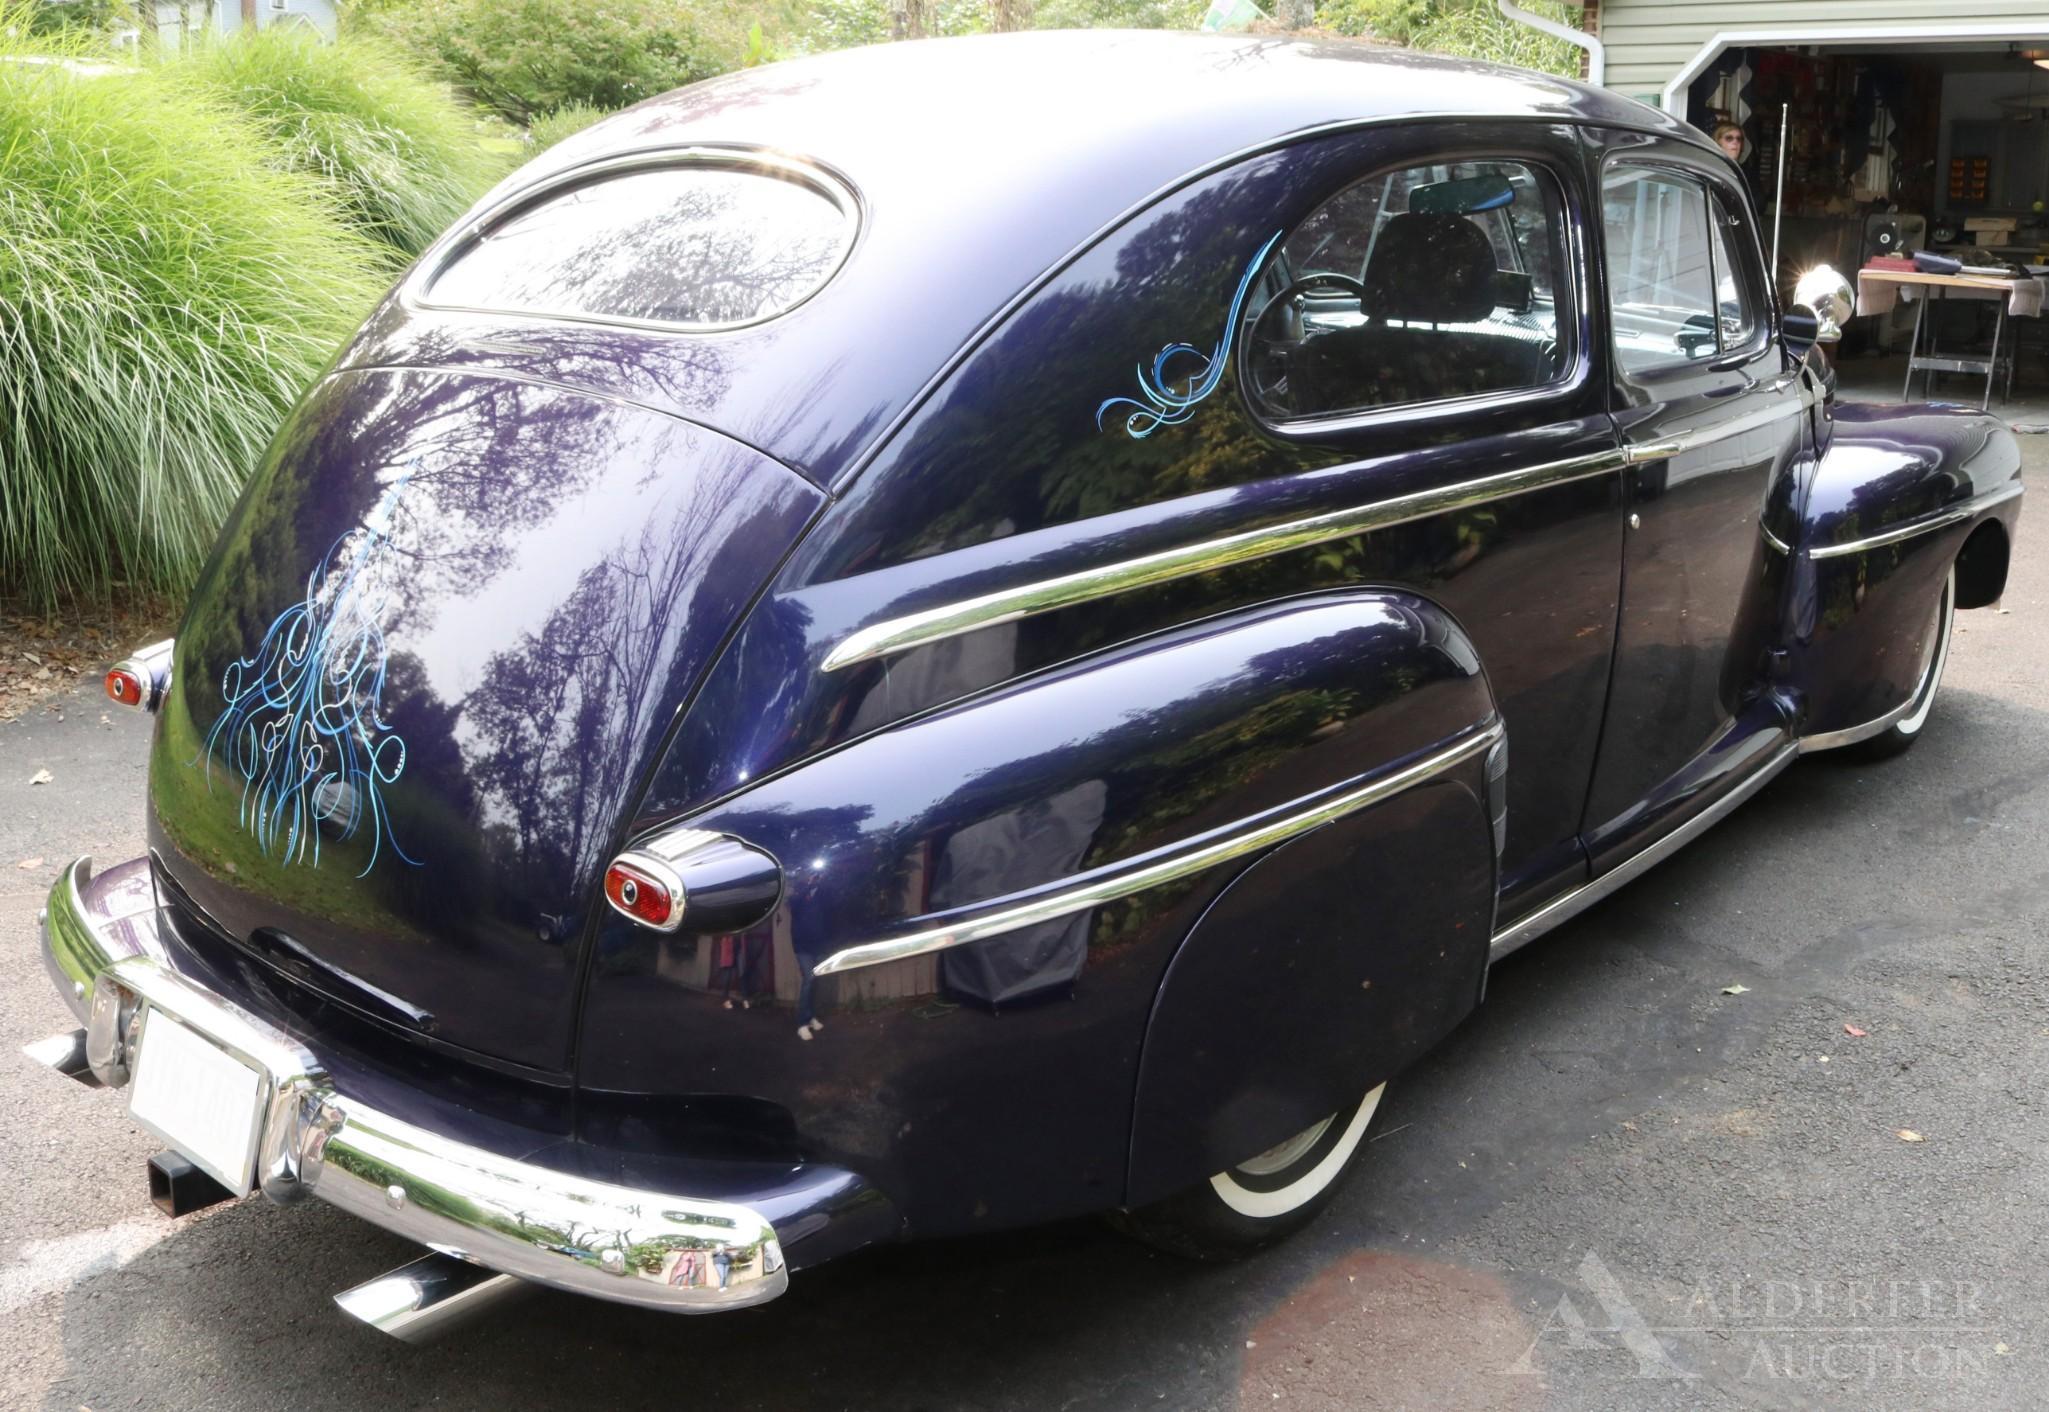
(1296, 287)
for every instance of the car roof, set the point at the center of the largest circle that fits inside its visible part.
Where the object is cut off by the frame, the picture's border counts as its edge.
(982, 162)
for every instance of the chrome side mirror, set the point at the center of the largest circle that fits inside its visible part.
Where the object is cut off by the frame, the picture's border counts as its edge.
(1826, 297)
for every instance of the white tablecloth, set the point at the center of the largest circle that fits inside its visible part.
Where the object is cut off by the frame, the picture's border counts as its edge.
(1877, 291)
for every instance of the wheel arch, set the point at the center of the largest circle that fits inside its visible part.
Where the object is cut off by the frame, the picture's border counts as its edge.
(1982, 565)
(1324, 967)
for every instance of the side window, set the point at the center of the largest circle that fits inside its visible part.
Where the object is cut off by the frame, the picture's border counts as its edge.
(1661, 281)
(1416, 285)
(1735, 300)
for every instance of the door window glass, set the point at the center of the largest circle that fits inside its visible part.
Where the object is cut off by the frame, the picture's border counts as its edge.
(1661, 278)
(1416, 285)
(1735, 310)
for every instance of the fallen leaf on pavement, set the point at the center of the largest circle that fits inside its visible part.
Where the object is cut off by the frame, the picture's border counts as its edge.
(40, 777)
(1909, 1135)
(28, 863)
(1852, 1031)
(1738, 989)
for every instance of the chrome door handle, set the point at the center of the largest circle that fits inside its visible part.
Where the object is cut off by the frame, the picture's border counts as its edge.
(1656, 450)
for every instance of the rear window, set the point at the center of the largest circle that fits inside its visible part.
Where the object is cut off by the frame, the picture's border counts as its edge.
(691, 245)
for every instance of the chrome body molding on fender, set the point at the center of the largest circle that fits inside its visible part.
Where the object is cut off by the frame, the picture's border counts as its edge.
(1008, 605)
(1519, 934)
(1920, 524)
(1164, 865)
(1853, 735)
(515, 1217)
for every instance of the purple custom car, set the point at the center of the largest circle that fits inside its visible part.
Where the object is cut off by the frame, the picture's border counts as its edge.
(972, 632)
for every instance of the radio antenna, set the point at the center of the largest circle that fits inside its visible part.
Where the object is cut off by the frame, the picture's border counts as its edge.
(1779, 198)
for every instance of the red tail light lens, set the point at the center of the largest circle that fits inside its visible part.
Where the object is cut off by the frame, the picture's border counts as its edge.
(641, 895)
(125, 686)
(139, 682)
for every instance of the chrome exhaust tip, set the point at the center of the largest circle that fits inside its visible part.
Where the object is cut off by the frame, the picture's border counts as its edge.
(66, 1054)
(423, 1300)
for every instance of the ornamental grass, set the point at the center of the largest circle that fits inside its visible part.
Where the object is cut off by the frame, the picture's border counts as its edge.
(405, 156)
(167, 290)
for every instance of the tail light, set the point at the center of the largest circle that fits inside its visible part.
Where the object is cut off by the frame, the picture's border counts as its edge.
(141, 681)
(720, 883)
(651, 896)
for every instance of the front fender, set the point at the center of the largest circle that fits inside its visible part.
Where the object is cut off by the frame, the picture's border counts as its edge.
(982, 902)
(1895, 495)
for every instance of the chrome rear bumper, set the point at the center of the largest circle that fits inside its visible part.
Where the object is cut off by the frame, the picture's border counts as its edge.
(612, 1242)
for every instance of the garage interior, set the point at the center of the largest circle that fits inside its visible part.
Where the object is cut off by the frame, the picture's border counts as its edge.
(1912, 144)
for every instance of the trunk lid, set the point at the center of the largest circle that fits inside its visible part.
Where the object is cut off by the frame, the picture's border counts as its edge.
(424, 674)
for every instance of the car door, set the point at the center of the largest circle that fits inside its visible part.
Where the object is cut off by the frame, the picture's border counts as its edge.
(1367, 341)
(1711, 419)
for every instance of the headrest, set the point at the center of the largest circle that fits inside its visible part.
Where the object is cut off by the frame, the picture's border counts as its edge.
(1435, 269)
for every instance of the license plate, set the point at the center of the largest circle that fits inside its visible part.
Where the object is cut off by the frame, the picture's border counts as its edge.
(197, 1097)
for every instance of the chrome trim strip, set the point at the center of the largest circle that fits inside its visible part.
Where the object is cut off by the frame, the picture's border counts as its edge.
(1921, 524)
(1118, 880)
(1680, 442)
(1520, 934)
(1008, 605)
(516, 1217)
(1851, 735)
(1774, 541)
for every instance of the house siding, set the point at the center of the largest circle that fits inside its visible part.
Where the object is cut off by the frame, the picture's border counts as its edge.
(1650, 41)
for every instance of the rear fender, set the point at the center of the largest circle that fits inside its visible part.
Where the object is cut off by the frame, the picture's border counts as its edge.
(1093, 773)
(1017, 853)
(1325, 968)
(1896, 495)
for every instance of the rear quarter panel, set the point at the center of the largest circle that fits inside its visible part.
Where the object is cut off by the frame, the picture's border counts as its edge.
(993, 1083)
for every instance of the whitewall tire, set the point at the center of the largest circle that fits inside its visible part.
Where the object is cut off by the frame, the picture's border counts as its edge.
(1262, 1199)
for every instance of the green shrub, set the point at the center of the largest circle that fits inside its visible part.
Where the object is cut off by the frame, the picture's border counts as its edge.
(165, 294)
(1119, 14)
(1472, 29)
(402, 152)
(527, 58)
(53, 16)
(563, 122)
(1481, 31)
(1396, 20)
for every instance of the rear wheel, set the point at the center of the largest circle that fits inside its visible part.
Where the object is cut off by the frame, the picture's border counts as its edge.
(1262, 1199)
(1899, 737)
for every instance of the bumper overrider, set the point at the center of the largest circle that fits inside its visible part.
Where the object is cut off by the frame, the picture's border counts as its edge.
(528, 1222)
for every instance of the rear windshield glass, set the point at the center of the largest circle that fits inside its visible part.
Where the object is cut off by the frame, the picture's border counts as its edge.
(689, 246)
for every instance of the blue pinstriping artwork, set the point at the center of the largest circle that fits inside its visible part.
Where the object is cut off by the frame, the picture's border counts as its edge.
(1167, 404)
(303, 727)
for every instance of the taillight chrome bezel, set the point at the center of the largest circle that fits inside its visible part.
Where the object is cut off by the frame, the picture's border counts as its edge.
(141, 680)
(720, 882)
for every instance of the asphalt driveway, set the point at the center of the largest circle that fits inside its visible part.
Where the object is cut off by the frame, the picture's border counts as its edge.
(1619, 1185)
